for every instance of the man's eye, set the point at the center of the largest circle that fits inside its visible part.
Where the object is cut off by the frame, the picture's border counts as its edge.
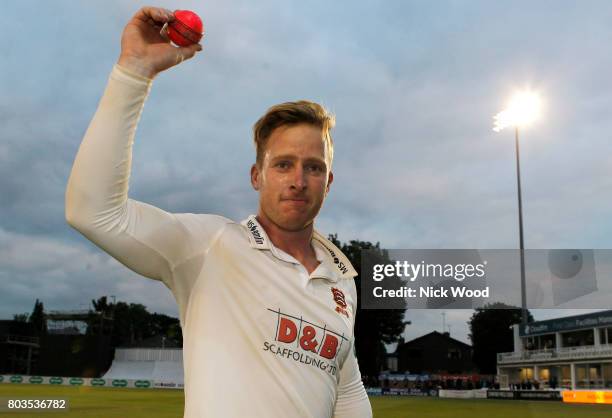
(315, 168)
(282, 164)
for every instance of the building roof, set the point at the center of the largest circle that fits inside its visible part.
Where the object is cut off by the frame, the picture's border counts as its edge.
(433, 334)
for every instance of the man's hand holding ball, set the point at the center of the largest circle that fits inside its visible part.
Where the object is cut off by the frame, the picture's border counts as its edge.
(146, 51)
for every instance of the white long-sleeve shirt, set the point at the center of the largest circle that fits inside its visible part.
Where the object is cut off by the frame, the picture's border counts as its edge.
(262, 337)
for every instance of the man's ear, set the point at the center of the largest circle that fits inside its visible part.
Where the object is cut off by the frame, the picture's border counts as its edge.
(330, 180)
(255, 177)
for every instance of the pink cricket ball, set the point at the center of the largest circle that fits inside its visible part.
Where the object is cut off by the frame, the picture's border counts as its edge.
(186, 28)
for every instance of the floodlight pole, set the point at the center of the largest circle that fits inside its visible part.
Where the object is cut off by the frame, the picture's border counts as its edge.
(521, 242)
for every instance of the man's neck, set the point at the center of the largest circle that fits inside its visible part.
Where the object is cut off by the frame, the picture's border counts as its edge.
(294, 243)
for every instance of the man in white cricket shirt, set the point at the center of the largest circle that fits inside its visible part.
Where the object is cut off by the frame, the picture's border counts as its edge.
(267, 305)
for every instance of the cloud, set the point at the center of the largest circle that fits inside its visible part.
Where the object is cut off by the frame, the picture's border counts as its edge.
(67, 275)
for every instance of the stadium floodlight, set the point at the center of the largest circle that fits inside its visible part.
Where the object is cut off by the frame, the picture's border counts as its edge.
(523, 109)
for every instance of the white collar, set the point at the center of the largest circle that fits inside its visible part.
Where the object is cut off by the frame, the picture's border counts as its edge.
(334, 264)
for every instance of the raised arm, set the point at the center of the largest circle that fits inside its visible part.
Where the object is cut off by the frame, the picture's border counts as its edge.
(146, 239)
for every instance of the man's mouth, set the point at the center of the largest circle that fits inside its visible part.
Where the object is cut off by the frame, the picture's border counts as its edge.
(295, 200)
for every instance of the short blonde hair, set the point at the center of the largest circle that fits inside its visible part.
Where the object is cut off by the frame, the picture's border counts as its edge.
(293, 113)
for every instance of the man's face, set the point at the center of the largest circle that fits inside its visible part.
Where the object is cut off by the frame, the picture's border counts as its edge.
(294, 176)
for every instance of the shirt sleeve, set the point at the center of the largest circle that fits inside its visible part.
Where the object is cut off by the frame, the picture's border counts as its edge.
(352, 400)
(146, 239)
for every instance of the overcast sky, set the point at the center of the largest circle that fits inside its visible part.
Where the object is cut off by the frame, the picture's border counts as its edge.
(414, 86)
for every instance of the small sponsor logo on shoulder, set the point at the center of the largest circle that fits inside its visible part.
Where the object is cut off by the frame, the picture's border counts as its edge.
(255, 232)
(341, 266)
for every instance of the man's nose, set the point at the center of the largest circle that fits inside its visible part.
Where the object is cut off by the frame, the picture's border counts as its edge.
(299, 179)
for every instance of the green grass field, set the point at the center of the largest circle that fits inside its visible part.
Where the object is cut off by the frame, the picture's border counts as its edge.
(157, 403)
